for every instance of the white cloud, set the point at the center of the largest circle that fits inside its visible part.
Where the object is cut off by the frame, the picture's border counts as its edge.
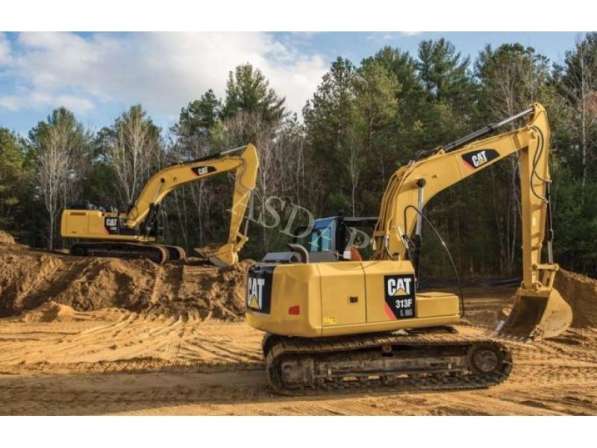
(9, 102)
(163, 71)
(33, 99)
(392, 35)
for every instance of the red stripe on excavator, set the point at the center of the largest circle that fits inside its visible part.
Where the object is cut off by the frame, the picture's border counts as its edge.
(468, 165)
(389, 312)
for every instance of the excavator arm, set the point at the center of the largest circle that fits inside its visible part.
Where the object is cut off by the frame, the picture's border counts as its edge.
(539, 310)
(242, 161)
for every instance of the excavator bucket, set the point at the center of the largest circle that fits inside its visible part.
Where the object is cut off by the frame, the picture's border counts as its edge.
(537, 315)
(220, 256)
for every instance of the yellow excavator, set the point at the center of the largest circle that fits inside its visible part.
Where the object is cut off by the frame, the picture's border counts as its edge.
(132, 234)
(336, 321)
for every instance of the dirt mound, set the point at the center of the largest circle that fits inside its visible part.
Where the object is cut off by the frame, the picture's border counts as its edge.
(6, 238)
(581, 293)
(29, 279)
(198, 291)
(50, 312)
(95, 283)
(25, 279)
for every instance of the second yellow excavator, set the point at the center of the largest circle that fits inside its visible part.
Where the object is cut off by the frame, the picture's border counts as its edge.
(133, 233)
(345, 322)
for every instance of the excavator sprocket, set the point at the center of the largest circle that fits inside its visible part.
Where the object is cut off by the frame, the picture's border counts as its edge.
(175, 253)
(421, 360)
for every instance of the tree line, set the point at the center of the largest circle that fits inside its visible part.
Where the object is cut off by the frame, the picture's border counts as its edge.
(363, 121)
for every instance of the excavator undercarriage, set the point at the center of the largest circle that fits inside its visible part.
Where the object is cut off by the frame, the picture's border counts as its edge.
(429, 359)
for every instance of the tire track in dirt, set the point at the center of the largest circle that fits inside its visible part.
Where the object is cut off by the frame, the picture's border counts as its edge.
(133, 337)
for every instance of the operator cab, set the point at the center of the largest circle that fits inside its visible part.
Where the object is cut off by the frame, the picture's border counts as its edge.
(334, 238)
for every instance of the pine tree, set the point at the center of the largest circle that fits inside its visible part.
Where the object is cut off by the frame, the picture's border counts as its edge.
(248, 91)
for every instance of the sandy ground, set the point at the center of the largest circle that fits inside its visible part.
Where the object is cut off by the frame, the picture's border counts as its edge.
(118, 362)
(84, 336)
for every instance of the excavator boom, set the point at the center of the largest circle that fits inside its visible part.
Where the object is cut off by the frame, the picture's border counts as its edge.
(539, 310)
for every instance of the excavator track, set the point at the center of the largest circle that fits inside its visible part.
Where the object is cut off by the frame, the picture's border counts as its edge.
(154, 252)
(429, 360)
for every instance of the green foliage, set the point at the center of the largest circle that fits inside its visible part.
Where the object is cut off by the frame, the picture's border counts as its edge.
(248, 90)
(511, 77)
(576, 85)
(74, 138)
(60, 149)
(132, 148)
(14, 176)
(198, 124)
(444, 73)
(405, 130)
(329, 120)
(575, 222)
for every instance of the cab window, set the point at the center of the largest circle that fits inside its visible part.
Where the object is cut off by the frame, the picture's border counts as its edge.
(321, 238)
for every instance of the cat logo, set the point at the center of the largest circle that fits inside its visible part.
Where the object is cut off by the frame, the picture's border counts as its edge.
(255, 293)
(400, 296)
(478, 158)
(398, 286)
(259, 289)
(111, 222)
(203, 170)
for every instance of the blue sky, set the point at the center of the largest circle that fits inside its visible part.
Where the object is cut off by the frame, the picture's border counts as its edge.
(98, 75)
(356, 46)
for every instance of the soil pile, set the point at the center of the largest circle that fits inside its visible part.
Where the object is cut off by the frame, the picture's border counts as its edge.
(51, 312)
(29, 279)
(6, 238)
(581, 293)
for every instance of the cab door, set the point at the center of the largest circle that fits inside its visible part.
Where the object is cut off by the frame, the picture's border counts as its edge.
(342, 293)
